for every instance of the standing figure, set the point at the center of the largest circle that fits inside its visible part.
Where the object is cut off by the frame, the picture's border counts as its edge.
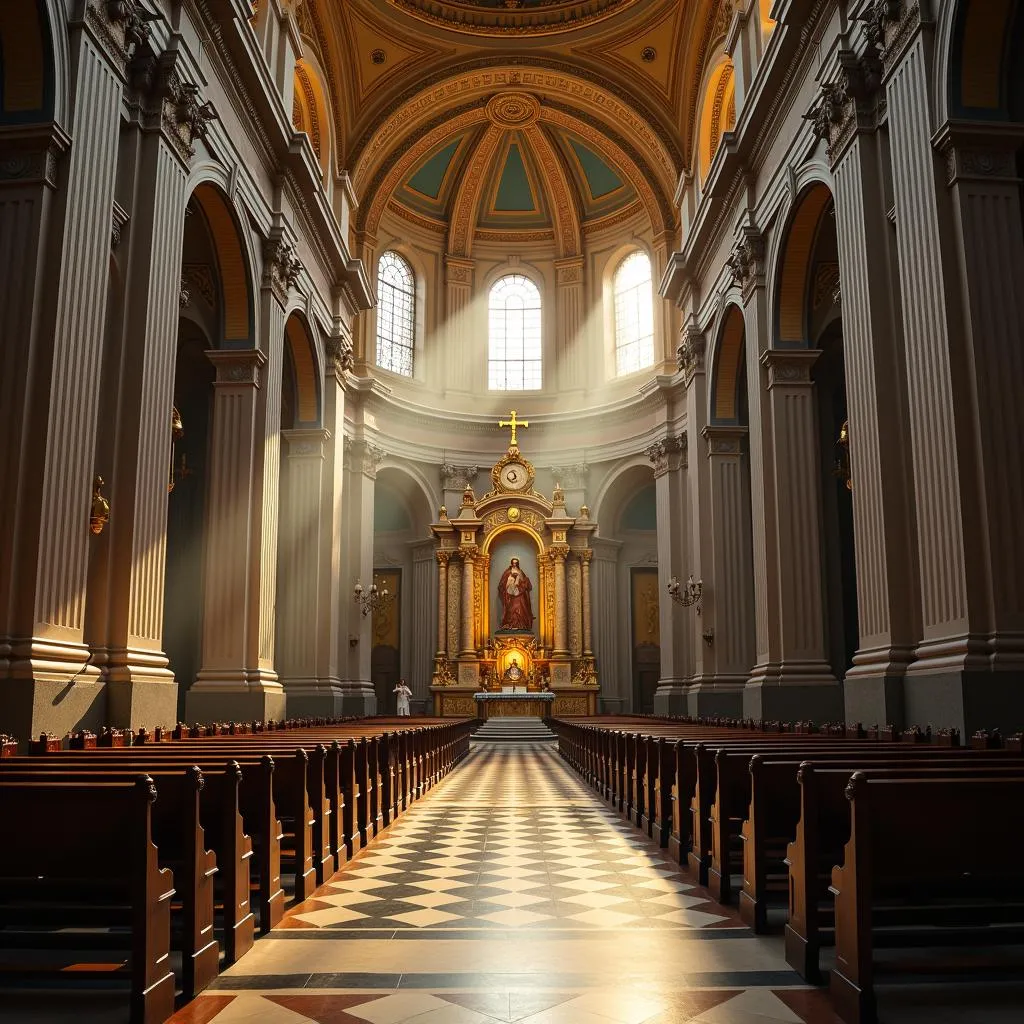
(404, 693)
(514, 593)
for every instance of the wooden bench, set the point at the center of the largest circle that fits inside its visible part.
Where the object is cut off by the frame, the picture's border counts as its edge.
(947, 874)
(85, 859)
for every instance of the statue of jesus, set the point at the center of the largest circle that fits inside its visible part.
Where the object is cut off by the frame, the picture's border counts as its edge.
(514, 593)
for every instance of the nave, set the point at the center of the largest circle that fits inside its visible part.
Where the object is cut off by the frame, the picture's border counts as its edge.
(511, 893)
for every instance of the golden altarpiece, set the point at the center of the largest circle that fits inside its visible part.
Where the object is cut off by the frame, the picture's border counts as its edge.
(530, 643)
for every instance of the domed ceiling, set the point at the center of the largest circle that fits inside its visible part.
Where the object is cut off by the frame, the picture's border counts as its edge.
(513, 118)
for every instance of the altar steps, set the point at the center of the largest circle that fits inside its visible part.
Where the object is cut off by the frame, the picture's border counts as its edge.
(513, 730)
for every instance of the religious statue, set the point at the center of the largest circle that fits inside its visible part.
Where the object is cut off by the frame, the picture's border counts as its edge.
(514, 674)
(514, 593)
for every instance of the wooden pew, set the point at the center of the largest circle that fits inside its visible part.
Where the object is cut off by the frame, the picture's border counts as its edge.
(88, 860)
(943, 875)
(823, 830)
(181, 840)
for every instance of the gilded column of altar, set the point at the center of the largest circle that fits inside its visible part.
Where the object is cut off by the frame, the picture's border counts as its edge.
(454, 624)
(468, 576)
(585, 557)
(574, 606)
(442, 603)
(557, 554)
(483, 563)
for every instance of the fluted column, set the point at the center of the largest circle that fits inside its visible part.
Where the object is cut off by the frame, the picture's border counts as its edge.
(888, 612)
(56, 273)
(468, 578)
(612, 625)
(298, 589)
(950, 682)
(732, 571)
(675, 624)
(229, 685)
(806, 689)
(462, 359)
(141, 688)
(569, 306)
(561, 649)
(424, 593)
(585, 558)
(361, 461)
(442, 602)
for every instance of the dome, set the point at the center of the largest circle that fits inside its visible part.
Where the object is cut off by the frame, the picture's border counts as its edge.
(511, 17)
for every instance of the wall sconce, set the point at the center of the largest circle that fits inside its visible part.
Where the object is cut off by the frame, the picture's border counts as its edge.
(709, 636)
(99, 510)
(690, 594)
(373, 599)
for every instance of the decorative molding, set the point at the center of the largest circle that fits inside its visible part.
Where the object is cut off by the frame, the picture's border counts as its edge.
(980, 153)
(665, 455)
(513, 110)
(573, 477)
(235, 367)
(724, 440)
(569, 271)
(853, 102)
(457, 478)
(340, 355)
(690, 354)
(747, 259)
(363, 456)
(281, 267)
(119, 217)
(119, 26)
(790, 367)
(889, 24)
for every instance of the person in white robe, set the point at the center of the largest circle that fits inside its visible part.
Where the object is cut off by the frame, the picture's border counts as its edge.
(404, 693)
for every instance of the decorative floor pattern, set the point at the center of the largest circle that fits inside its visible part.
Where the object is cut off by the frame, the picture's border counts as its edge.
(511, 893)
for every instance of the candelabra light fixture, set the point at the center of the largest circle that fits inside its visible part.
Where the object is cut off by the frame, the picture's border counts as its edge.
(687, 594)
(371, 599)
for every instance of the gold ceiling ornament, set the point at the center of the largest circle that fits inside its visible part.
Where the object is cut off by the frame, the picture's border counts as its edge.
(512, 17)
(513, 109)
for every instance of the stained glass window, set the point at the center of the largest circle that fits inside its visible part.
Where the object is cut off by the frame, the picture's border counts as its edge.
(514, 350)
(634, 314)
(396, 308)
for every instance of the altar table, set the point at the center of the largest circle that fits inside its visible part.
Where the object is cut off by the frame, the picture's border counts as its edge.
(514, 705)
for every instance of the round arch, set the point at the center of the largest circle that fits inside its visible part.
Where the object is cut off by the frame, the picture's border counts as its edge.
(794, 267)
(30, 69)
(979, 60)
(727, 363)
(307, 376)
(311, 112)
(718, 113)
(614, 493)
(234, 267)
(409, 483)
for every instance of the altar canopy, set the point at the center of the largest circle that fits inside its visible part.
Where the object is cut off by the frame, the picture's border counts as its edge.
(514, 610)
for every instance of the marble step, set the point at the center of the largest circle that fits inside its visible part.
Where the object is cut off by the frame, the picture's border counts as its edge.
(513, 730)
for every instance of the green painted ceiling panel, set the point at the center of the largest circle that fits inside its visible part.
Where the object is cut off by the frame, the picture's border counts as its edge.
(430, 176)
(601, 179)
(514, 192)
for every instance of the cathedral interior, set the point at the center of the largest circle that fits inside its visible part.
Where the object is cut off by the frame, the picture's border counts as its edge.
(606, 379)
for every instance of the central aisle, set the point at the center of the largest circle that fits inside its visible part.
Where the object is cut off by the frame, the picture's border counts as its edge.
(510, 893)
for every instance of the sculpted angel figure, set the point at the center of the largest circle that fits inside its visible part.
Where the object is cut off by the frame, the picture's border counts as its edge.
(514, 593)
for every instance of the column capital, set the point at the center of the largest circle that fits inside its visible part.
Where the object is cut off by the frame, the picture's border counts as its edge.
(747, 260)
(119, 27)
(457, 478)
(790, 367)
(281, 267)
(443, 557)
(458, 270)
(574, 477)
(306, 442)
(724, 440)
(980, 152)
(469, 552)
(340, 355)
(586, 556)
(237, 367)
(31, 153)
(690, 353)
(851, 102)
(362, 456)
(569, 271)
(667, 454)
(558, 552)
(889, 25)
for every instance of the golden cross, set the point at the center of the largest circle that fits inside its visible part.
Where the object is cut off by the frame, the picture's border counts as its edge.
(513, 423)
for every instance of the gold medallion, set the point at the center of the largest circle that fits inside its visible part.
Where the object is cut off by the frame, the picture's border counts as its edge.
(513, 514)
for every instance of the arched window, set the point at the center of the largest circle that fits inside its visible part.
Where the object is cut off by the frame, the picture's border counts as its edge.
(396, 309)
(634, 314)
(514, 362)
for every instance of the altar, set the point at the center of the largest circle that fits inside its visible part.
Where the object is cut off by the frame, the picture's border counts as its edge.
(514, 607)
(513, 705)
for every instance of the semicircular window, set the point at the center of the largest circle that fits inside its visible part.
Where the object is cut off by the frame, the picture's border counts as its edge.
(396, 313)
(634, 314)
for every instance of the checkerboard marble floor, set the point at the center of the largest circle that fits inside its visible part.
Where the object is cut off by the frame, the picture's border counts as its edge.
(511, 893)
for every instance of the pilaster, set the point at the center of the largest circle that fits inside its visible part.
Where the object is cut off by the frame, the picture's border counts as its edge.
(361, 461)
(611, 625)
(569, 307)
(467, 646)
(461, 360)
(804, 686)
(231, 684)
(425, 591)
(60, 285)
(728, 606)
(668, 458)
(557, 554)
